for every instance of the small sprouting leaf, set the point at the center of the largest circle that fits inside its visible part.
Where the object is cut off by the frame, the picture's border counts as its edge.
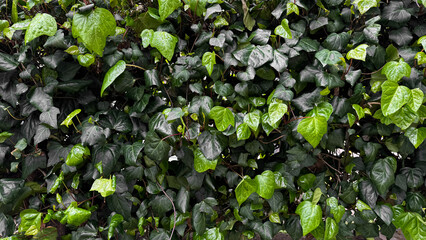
(421, 58)
(112, 74)
(312, 129)
(147, 36)
(245, 188)
(104, 186)
(351, 119)
(331, 229)
(73, 50)
(86, 60)
(30, 221)
(422, 41)
(223, 117)
(115, 220)
(253, 120)
(292, 8)
(4, 136)
(310, 216)
(77, 154)
(394, 71)
(361, 206)
(276, 111)
(283, 29)
(41, 24)
(68, 120)
(75, 215)
(201, 163)
(209, 60)
(358, 53)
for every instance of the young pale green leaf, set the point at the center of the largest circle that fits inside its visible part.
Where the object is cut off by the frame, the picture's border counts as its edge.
(201, 163)
(265, 184)
(68, 120)
(327, 57)
(147, 36)
(223, 117)
(209, 60)
(112, 74)
(115, 220)
(358, 53)
(4, 136)
(86, 60)
(310, 216)
(331, 229)
(166, 7)
(416, 135)
(104, 186)
(361, 206)
(312, 129)
(292, 8)
(75, 215)
(365, 5)
(317, 195)
(93, 28)
(382, 175)
(394, 71)
(77, 154)
(253, 120)
(283, 29)
(393, 97)
(30, 221)
(165, 43)
(421, 58)
(415, 99)
(73, 50)
(243, 131)
(41, 24)
(359, 111)
(245, 188)
(422, 41)
(324, 109)
(412, 224)
(276, 111)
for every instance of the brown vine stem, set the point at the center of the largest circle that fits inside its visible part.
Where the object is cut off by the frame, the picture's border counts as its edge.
(170, 136)
(174, 209)
(136, 66)
(322, 159)
(18, 119)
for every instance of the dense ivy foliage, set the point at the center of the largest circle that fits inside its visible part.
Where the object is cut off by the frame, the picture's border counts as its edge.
(212, 119)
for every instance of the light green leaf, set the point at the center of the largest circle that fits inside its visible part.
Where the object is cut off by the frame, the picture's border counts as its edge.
(404, 117)
(276, 111)
(201, 163)
(165, 43)
(359, 111)
(312, 129)
(253, 120)
(209, 60)
(248, 20)
(115, 220)
(331, 229)
(317, 195)
(86, 60)
(393, 97)
(112, 74)
(30, 221)
(359, 53)
(361, 206)
(416, 135)
(292, 8)
(327, 57)
(365, 5)
(166, 7)
(310, 216)
(75, 215)
(324, 109)
(104, 186)
(4, 136)
(41, 24)
(245, 188)
(421, 58)
(147, 36)
(77, 154)
(283, 30)
(68, 120)
(223, 117)
(351, 119)
(93, 28)
(265, 184)
(394, 71)
(412, 224)
(73, 50)
(243, 131)
(422, 41)
(415, 99)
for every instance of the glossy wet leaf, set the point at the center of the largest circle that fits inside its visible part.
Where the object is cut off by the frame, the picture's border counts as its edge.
(327, 57)
(382, 175)
(331, 229)
(30, 221)
(393, 97)
(166, 7)
(243, 131)
(313, 129)
(165, 43)
(245, 188)
(75, 215)
(358, 53)
(209, 60)
(77, 154)
(112, 74)
(68, 120)
(310, 216)
(265, 184)
(394, 70)
(276, 111)
(201, 163)
(283, 29)
(365, 5)
(104, 186)
(223, 117)
(41, 24)
(86, 60)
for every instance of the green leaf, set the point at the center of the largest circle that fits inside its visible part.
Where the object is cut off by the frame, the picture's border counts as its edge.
(421, 58)
(317, 195)
(30, 221)
(4, 136)
(115, 221)
(327, 57)
(382, 175)
(361, 206)
(416, 99)
(365, 5)
(310, 216)
(166, 7)
(223, 117)
(359, 53)
(93, 28)
(7, 62)
(393, 97)
(50, 117)
(276, 111)
(384, 212)
(422, 41)
(413, 176)
(312, 129)
(245, 188)
(86, 60)
(165, 43)
(147, 36)
(416, 135)
(253, 120)
(351, 119)
(77, 154)
(75, 215)
(394, 71)
(112, 74)
(131, 152)
(404, 117)
(265, 184)
(156, 148)
(413, 226)
(104, 186)
(359, 111)
(248, 20)
(209, 60)
(243, 131)
(41, 24)
(201, 163)
(306, 181)
(68, 120)
(292, 8)
(212, 144)
(324, 109)
(41, 100)
(283, 29)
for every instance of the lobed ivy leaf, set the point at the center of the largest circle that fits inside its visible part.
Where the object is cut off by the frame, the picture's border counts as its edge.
(358, 53)
(245, 188)
(166, 7)
(416, 135)
(382, 175)
(313, 129)
(223, 117)
(165, 43)
(365, 5)
(283, 29)
(41, 24)
(104, 186)
(310, 216)
(77, 154)
(30, 221)
(201, 163)
(393, 97)
(75, 215)
(327, 57)
(394, 71)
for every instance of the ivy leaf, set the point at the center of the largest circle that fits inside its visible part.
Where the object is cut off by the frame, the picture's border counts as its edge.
(253, 120)
(422, 41)
(382, 175)
(50, 117)
(41, 24)
(393, 97)
(245, 188)
(384, 212)
(93, 28)
(331, 229)
(77, 154)
(30, 221)
(112, 74)
(312, 129)
(212, 144)
(243, 131)
(416, 135)
(276, 111)
(359, 53)
(165, 43)
(324, 109)
(41, 100)
(7, 62)
(421, 58)
(147, 36)
(327, 57)
(394, 71)
(265, 184)
(115, 220)
(166, 7)
(201, 163)
(131, 152)
(283, 29)
(75, 215)
(361, 206)
(310, 216)
(365, 5)
(209, 60)
(104, 186)
(86, 60)
(413, 226)
(68, 120)
(292, 8)
(156, 148)
(416, 99)
(223, 117)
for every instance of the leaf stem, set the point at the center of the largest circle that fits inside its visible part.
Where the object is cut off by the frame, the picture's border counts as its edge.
(136, 66)
(174, 209)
